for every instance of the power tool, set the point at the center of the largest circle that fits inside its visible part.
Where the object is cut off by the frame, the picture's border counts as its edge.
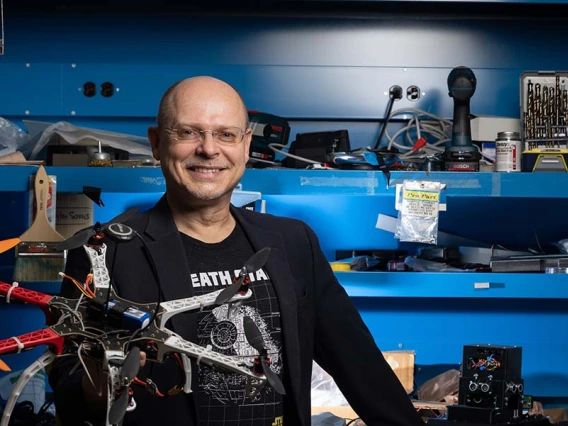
(266, 129)
(461, 155)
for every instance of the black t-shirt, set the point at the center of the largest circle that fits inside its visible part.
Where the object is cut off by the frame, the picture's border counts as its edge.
(220, 396)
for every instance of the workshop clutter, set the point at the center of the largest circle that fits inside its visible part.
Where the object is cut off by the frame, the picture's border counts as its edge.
(468, 141)
(64, 144)
(535, 141)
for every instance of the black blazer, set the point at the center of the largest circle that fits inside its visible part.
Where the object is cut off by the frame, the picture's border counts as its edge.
(319, 321)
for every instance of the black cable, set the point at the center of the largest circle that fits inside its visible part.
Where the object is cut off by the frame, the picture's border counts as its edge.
(159, 284)
(384, 128)
(156, 276)
(160, 292)
(47, 403)
(395, 93)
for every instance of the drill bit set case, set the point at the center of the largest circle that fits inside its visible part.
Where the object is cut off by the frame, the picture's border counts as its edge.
(544, 120)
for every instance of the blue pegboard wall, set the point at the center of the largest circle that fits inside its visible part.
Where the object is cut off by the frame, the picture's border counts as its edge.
(335, 69)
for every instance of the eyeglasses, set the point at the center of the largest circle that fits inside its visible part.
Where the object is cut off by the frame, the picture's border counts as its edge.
(227, 136)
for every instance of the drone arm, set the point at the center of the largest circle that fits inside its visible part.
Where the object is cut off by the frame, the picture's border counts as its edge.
(13, 292)
(175, 343)
(46, 359)
(113, 384)
(97, 258)
(174, 307)
(45, 336)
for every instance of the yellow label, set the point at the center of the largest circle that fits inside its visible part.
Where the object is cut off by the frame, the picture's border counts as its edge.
(278, 421)
(421, 195)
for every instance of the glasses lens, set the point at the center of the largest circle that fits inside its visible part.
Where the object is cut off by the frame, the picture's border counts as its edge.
(229, 135)
(187, 134)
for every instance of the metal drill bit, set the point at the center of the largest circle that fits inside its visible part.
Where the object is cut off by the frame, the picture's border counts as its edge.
(545, 116)
(565, 114)
(538, 111)
(558, 102)
(565, 106)
(552, 112)
(529, 117)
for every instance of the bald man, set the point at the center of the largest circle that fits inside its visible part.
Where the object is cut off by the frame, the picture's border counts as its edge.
(197, 241)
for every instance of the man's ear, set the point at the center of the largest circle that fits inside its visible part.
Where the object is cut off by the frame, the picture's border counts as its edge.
(247, 141)
(154, 138)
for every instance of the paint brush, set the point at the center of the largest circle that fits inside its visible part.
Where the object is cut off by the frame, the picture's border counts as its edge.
(36, 256)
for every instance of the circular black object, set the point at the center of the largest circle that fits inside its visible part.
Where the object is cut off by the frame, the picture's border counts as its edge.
(119, 232)
(89, 89)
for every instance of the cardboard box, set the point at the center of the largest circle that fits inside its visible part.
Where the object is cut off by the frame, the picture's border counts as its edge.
(345, 411)
(74, 212)
(402, 363)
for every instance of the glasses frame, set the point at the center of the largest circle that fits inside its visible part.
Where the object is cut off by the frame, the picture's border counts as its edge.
(214, 134)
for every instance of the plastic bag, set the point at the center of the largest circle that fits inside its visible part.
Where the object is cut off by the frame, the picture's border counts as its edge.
(325, 392)
(12, 138)
(419, 211)
(134, 145)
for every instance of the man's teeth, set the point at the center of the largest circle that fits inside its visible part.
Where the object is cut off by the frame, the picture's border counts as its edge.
(201, 170)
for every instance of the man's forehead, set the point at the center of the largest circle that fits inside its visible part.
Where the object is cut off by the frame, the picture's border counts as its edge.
(209, 111)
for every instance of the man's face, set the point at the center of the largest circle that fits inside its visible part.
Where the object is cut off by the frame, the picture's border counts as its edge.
(204, 169)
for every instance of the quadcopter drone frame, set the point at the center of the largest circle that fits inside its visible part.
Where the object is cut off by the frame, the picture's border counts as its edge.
(85, 325)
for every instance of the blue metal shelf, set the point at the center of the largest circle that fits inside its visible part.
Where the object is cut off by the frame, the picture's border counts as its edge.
(462, 184)
(302, 182)
(454, 285)
(72, 179)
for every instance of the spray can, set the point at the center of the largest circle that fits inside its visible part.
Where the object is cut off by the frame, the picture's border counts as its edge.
(508, 150)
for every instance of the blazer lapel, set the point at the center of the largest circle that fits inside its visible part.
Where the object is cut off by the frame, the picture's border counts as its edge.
(168, 254)
(283, 282)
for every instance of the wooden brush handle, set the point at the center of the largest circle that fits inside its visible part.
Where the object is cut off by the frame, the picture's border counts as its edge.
(41, 230)
(41, 192)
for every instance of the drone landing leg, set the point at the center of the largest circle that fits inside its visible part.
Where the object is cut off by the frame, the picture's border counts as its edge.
(187, 370)
(46, 359)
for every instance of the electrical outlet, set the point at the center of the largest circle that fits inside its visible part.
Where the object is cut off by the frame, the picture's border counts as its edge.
(89, 89)
(107, 89)
(395, 92)
(413, 93)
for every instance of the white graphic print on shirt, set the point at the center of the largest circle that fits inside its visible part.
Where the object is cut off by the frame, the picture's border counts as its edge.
(224, 331)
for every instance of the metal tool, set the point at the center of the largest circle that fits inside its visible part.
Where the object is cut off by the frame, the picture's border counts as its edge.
(461, 154)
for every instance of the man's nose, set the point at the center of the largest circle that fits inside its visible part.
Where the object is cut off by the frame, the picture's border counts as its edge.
(208, 145)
